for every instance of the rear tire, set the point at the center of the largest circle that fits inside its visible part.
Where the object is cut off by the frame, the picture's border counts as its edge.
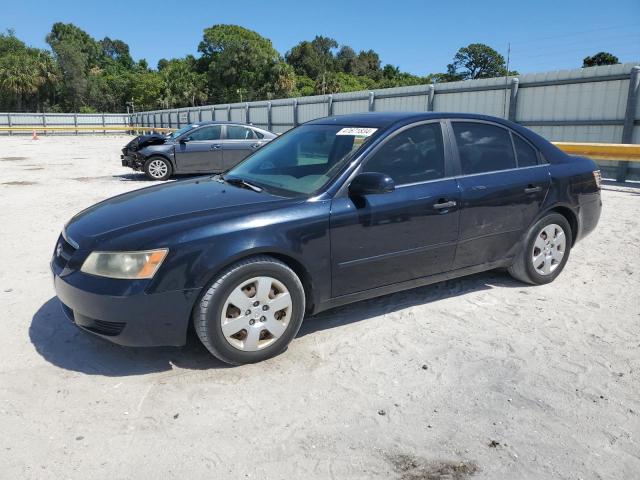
(158, 168)
(545, 251)
(251, 311)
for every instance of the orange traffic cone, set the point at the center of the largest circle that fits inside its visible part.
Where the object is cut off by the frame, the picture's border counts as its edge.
(34, 135)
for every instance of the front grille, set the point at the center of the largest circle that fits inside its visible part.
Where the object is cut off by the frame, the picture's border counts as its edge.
(67, 249)
(62, 253)
(101, 327)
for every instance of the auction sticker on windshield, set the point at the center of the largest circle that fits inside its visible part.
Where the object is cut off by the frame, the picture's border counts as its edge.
(357, 131)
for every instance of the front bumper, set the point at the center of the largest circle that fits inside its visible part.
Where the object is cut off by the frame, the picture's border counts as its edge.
(136, 320)
(132, 160)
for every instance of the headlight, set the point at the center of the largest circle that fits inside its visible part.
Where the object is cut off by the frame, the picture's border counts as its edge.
(126, 265)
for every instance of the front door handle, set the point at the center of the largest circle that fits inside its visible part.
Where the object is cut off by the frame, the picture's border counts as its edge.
(216, 146)
(443, 205)
(532, 189)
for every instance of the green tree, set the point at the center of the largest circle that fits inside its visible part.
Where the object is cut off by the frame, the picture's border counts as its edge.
(116, 51)
(182, 84)
(146, 90)
(76, 52)
(337, 82)
(26, 74)
(346, 59)
(391, 76)
(314, 59)
(238, 63)
(19, 76)
(284, 81)
(9, 43)
(600, 58)
(474, 61)
(304, 86)
(108, 89)
(368, 64)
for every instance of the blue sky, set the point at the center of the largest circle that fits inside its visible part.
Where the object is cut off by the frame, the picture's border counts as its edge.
(418, 36)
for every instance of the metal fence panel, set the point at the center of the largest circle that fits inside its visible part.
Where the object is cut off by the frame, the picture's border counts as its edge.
(350, 106)
(207, 114)
(579, 105)
(311, 111)
(576, 133)
(401, 104)
(258, 115)
(282, 116)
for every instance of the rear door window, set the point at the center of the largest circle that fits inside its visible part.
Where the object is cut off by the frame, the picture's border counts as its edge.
(236, 132)
(483, 147)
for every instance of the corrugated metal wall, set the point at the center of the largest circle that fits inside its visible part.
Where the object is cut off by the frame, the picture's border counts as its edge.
(63, 120)
(580, 105)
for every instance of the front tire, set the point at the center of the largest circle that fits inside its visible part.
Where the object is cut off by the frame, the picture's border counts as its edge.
(545, 251)
(158, 168)
(251, 311)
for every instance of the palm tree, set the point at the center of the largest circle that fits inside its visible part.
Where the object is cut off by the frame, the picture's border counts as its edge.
(22, 74)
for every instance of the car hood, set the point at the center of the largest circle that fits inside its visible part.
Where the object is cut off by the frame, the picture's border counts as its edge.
(161, 204)
(142, 141)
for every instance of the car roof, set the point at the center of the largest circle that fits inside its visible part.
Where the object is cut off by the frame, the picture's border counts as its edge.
(393, 120)
(224, 122)
(385, 119)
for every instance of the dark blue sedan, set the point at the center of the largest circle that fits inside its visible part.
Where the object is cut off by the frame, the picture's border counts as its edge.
(337, 210)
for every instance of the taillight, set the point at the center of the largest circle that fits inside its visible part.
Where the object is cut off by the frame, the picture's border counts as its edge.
(597, 176)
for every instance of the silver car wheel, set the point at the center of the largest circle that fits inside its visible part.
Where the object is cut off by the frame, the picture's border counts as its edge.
(256, 313)
(548, 249)
(158, 168)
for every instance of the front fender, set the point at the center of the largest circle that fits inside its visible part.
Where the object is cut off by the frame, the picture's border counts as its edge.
(164, 151)
(298, 234)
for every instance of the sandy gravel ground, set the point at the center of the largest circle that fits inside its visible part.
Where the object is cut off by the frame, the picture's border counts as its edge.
(481, 377)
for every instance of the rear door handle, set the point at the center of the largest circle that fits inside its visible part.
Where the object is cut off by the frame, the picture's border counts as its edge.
(443, 205)
(216, 146)
(255, 145)
(532, 189)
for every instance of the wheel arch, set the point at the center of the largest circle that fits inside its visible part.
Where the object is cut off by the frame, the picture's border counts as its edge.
(294, 264)
(163, 155)
(571, 217)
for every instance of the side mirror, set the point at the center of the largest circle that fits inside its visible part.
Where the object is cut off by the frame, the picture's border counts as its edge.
(371, 183)
(184, 139)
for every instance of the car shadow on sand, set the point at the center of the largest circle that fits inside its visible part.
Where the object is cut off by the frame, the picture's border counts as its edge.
(363, 310)
(63, 344)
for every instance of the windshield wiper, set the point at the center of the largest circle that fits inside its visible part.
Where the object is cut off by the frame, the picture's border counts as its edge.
(242, 183)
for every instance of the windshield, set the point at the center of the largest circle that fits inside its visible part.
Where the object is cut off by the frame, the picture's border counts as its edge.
(303, 160)
(182, 130)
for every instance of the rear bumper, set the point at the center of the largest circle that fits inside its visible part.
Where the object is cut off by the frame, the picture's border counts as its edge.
(590, 210)
(139, 320)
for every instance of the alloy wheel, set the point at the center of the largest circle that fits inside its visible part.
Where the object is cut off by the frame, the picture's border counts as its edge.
(158, 169)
